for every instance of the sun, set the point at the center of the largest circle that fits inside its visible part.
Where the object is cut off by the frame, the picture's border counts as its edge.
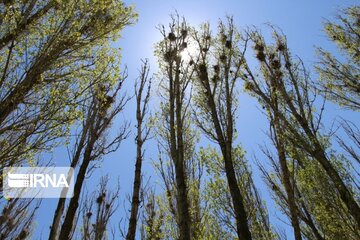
(189, 52)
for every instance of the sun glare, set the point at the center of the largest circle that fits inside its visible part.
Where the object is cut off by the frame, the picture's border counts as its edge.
(189, 52)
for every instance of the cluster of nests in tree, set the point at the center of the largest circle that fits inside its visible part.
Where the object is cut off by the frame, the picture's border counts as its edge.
(172, 36)
(205, 49)
(216, 77)
(100, 198)
(203, 71)
(260, 55)
(89, 214)
(207, 43)
(259, 48)
(202, 68)
(282, 48)
(227, 43)
(105, 105)
(5, 217)
(183, 34)
(288, 65)
(183, 45)
(275, 65)
(274, 62)
(222, 58)
(171, 55)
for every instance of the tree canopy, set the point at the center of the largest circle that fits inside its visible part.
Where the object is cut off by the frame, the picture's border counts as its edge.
(63, 86)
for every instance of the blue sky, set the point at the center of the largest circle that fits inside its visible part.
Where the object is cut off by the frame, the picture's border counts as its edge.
(299, 20)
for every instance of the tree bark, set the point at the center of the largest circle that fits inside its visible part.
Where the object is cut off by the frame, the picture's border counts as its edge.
(93, 136)
(178, 156)
(67, 226)
(61, 203)
(136, 192)
(242, 226)
(140, 139)
(289, 188)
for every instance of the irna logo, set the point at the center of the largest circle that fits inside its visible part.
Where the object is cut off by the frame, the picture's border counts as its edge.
(38, 182)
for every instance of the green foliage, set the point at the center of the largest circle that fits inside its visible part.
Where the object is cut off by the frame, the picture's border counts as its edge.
(339, 75)
(52, 52)
(327, 208)
(219, 199)
(284, 89)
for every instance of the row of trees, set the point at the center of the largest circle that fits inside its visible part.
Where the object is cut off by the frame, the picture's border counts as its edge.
(61, 84)
(314, 177)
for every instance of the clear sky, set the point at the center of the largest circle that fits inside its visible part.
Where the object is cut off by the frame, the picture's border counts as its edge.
(299, 20)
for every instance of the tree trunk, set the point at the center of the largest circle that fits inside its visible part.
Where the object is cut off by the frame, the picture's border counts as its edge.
(61, 203)
(345, 194)
(136, 189)
(140, 139)
(225, 144)
(177, 141)
(290, 194)
(242, 225)
(68, 223)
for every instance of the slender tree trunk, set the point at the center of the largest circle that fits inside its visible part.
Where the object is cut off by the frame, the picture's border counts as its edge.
(137, 181)
(290, 194)
(61, 203)
(140, 139)
(319, 154)
(308, 220)
(68, 223)
(57, 217)
(344, 192)
(242, 226)
(289, 189)
(177, 141)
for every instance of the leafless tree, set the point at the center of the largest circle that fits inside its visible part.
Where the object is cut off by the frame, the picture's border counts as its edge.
(142, 94)
(92, 144)
(97, 211)
(16, 218)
